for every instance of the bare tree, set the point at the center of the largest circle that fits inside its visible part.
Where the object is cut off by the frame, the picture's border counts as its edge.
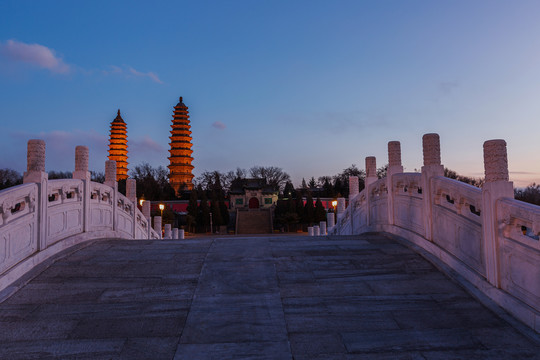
(274, 176)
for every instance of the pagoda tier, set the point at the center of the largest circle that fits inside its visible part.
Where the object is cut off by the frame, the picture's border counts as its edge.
(180, 158)
(118, 147)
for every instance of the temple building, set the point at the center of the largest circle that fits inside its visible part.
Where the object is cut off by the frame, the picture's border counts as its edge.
(118, 147)
(180, 167)
(252, 194)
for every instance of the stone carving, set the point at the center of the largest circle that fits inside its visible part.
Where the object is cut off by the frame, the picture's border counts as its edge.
(32, 201)
(371, 166)
(432, 149)
(65, 190)
(36, 155)
(394, 153)
(81, 158)
(7, 205)
(495, 161)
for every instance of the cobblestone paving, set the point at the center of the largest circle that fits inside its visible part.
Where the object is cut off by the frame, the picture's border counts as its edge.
(282, 297)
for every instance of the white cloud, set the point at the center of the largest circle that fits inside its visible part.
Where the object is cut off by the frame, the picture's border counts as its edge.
(144, 145)
(34, 54)
(149, 74)
(219, 125)
(129, 71)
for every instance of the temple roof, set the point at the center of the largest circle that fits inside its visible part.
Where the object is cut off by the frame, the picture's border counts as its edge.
(240, 186)
(118, 118)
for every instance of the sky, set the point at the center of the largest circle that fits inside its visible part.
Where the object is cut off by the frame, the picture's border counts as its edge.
(309, 86)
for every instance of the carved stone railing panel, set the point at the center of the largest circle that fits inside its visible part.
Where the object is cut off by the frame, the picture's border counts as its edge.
(125, 214)
(408, 202)
(18, 224)
(101, 207)
(407, 184)
(457, 224)
(378, 194)
(65, 209)
(519, 226)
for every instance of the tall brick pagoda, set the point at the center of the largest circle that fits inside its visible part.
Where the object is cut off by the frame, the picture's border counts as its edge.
(180, 167)
(118, 147)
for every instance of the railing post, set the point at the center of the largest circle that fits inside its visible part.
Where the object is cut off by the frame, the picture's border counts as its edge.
(353, 192)
(131, 194)
(110, 180)
(146, 213)
(394, 167)
(35, 173)
(331, 219)
(496, 186)
(157, 226)
(432, 167)
(371, 177)
(81, 172)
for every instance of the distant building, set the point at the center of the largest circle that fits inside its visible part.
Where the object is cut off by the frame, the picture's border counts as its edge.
(118, 147)
(252, 194)
(180, 167)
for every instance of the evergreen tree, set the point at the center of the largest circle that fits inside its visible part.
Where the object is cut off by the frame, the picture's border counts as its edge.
(289, 190)
(224, 211)
(312, 184)
(203, 215)
(192, 211)
(328, 188)
(320, 213)
(309, 211)
(216, 213)
(299, 206)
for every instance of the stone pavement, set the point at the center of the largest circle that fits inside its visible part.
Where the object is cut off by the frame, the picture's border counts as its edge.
(281, 297)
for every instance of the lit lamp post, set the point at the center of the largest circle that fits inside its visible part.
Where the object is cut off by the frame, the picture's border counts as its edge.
(334, 204)
(161, 207)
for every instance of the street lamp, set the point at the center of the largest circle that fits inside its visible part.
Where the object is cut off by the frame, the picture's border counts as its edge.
(334, 204)
(161, 207)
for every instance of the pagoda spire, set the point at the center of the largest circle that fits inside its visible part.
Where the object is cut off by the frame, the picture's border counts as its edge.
(180, 167)
(118, 146)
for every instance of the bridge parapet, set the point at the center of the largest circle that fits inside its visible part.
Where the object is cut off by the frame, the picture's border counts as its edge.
(484, 234)
(43, 217)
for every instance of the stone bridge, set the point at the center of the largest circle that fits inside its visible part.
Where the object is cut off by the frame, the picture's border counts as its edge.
(418, 266)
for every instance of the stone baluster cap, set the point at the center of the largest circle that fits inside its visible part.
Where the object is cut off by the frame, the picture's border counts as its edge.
(432, 149)
(81, 158)
(35, 157)
(341, 205)
(495, 160)
(371, 166)
(131, 190)
(146, 209)
(110, 171)
(394, 153)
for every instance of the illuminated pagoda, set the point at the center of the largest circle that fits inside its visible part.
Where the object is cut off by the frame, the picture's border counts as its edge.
(180, 167)
(118, 147)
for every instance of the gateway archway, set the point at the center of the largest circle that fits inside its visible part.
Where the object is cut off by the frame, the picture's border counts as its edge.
(253, 203)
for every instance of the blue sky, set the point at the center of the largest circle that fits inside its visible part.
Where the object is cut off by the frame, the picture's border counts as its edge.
(309, 86)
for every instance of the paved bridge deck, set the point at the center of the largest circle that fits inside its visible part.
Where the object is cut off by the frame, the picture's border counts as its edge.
(286, 297)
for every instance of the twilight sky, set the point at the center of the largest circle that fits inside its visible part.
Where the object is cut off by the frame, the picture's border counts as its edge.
(309, 86)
